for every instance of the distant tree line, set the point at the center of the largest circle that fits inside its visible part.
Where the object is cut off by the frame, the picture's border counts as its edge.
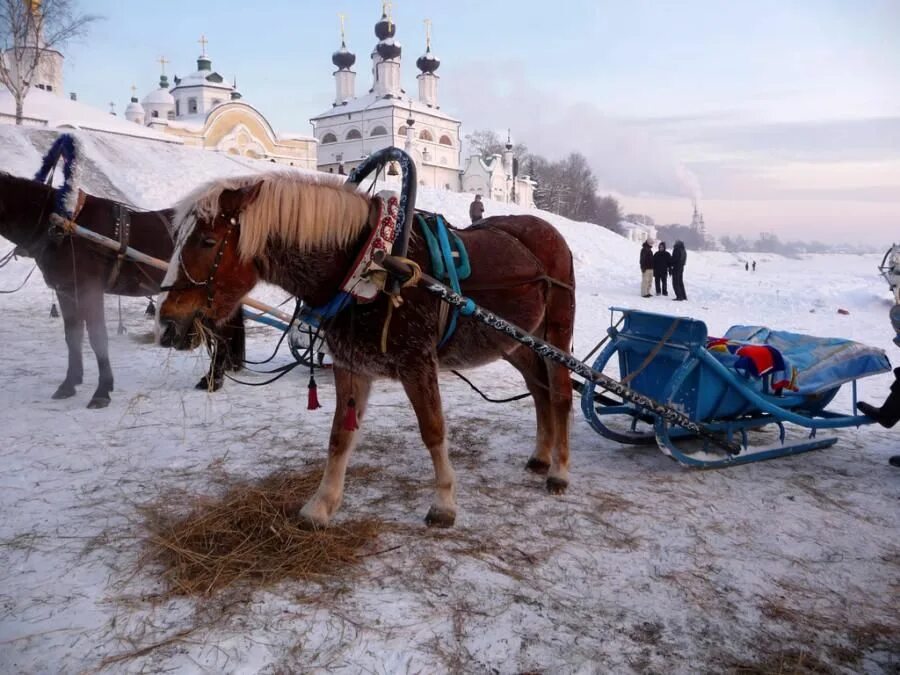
(567, 187)
(768, 242)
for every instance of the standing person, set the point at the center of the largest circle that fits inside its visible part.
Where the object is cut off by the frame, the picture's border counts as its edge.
(679, 260)
(476, 209)
(889, 413)
(746, 266)
(754, 265)
(646, 269)
(662, 265)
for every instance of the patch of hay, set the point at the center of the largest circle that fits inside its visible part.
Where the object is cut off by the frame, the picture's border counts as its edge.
(250, 536)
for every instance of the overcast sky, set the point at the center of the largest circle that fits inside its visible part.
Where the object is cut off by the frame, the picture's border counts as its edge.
(779, 116)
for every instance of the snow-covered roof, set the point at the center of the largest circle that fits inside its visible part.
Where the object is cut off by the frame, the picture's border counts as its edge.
(291, 136)
(57, 111)
(371, 101)
(199, 79)
(160, 96)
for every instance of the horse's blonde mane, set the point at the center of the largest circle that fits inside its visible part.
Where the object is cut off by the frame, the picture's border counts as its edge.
(301, 210)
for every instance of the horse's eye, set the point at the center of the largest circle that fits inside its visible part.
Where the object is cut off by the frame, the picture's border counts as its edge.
(208, 242)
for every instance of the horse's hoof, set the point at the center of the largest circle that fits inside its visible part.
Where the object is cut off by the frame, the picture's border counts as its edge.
(203, 384)
(98, 402)
(538, 466)
(311, 524)
(64, 391)
(438, 517)
(556, 486)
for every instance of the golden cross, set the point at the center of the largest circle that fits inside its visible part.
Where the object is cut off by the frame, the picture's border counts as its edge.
(341, 17)
(386, 10)
(203, 42)
(162, 62)
(133, 90)
(428, 33)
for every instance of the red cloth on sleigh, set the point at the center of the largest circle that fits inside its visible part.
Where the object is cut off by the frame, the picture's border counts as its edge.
(757, 361)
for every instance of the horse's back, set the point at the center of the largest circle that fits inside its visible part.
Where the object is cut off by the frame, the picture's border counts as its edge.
(551, 253)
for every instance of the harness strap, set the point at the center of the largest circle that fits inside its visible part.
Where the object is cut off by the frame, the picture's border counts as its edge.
(123, 234)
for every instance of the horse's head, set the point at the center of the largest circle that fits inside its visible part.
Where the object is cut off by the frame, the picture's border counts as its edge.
(25, 205)
(207, 275)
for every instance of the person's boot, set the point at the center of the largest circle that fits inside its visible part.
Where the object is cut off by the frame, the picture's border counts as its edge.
(889, 413)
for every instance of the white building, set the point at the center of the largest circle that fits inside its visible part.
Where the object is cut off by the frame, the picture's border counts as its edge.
(357, 125)
(637, 231)
(202, 110)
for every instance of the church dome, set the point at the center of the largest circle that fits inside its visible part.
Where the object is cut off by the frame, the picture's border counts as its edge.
(428, 62)
(385, 28)
(159, 96)
(389, 48)
(343, 58)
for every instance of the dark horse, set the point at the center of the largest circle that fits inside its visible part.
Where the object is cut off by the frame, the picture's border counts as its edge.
(303, 233)
(81, 272)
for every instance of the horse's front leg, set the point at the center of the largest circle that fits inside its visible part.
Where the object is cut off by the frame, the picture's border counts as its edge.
(325, 502)
(421, 385)
(91, 300)
(74, 326)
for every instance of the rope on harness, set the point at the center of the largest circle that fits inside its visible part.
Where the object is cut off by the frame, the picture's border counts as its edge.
(518, 397)
(22, 285)
(396, 300)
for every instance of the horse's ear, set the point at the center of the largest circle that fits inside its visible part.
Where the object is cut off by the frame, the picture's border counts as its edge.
(234, 201)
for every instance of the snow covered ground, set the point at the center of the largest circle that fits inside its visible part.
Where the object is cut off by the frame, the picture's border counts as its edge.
(643, 566)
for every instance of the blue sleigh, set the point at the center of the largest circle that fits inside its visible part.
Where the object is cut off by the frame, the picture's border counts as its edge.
(666, 358)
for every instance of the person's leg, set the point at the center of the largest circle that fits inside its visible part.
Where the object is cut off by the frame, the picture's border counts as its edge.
(889, 413)
(656, 281)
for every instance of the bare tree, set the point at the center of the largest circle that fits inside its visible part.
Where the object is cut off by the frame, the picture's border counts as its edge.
(29, 29)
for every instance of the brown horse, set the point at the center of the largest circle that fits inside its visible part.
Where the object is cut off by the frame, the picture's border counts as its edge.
(81, 272)
(303, 233)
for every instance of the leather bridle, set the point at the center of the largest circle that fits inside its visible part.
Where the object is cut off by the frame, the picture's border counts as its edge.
(209, 284)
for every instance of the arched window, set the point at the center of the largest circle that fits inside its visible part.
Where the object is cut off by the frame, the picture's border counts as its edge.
(379, 131)
(192, 106)
(353, 135)
(402, 130)
(425, 135)
(178, 108)
(155, 113)
(445, 140)
(329, 138)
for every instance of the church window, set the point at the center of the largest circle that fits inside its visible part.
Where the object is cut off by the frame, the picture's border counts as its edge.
(445, 140)
(170, 115)
(402, 130)
(178, 108)
(353, 135)
(425, 135)
(329, 138)
(379, 131)
(192, 106)
(155, 113)
(49, 87)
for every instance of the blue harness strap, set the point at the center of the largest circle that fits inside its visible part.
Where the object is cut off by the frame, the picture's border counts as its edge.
(444, 264)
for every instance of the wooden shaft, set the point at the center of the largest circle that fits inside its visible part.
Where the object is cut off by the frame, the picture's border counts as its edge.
(137, 256)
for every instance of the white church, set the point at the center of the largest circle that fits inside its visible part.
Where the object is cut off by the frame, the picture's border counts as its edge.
(385, 115)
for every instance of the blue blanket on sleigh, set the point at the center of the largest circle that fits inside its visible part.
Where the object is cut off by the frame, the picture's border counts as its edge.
(821, 363)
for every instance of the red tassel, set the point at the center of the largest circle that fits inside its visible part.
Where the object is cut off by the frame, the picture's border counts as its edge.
(312, 399)
(350, 421)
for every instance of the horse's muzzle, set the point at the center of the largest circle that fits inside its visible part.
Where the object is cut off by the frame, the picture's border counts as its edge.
(168, 336)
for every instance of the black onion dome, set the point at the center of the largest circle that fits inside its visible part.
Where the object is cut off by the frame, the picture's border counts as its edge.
(388, 48)
(428, 62)
(343, 58)
(385, 28)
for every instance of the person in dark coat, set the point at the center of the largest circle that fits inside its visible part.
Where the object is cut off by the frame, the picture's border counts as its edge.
(646, 269)
(888, 414)
(679, 260)
(746, 267)
(662, 266)
(476, 209)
